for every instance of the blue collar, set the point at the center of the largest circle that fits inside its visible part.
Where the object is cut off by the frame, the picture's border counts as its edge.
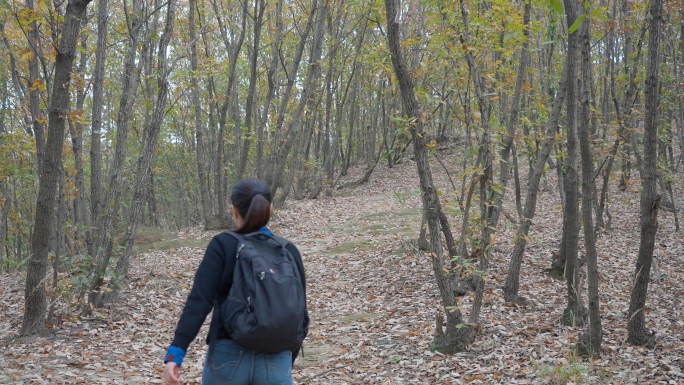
(265, 229)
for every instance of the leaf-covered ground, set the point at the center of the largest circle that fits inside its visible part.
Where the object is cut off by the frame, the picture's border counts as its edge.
(373, 302)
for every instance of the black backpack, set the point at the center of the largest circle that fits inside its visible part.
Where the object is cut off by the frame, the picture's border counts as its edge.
(265, 309)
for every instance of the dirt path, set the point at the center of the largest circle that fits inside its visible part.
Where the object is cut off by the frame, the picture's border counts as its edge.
(373, 302)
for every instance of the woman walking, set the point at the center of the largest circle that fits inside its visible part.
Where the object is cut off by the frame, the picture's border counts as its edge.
(259, 321)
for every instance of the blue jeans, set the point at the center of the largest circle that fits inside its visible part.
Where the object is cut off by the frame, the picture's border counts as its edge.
(234, 364)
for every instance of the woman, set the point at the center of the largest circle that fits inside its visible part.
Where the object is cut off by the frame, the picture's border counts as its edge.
(231, 363)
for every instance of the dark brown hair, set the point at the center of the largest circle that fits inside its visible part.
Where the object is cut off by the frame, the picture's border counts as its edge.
(252, 198)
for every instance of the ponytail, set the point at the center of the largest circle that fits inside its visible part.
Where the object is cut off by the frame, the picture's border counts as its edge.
(252, 198)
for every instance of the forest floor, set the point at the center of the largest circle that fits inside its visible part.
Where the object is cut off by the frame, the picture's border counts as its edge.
(373, 301)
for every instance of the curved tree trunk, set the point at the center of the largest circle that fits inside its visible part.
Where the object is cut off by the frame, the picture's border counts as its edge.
(454, 338)
(512, 284)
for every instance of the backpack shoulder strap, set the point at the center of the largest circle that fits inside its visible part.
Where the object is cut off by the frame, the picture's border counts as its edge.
(282, 241)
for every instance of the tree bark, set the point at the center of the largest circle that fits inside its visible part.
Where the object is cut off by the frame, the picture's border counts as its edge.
(281, 147)
(96, 128)
(573, 313)
(108, 211)
(219, 182)
(3, 221)
(453, 339)
(146, 158)
(82, 217)
(34, 40)
(259, 8)
(273, 160)
(590, 341)
(35, 293)
(270, 76)
(512, 284)
(637, 333)
(200, 145)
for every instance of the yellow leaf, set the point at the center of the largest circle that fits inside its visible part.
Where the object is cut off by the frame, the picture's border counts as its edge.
(37, 84)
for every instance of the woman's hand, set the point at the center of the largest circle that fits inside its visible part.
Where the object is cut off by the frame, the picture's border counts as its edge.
(172, 373)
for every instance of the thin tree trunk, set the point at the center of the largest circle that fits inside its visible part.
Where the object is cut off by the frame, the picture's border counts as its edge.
(59, 243)
(281, 148)
(108, 211)
(34, 40)
(152, 202)
(512, 284)
(270, 75)
(454, 339)
(329, 162)
(590, 341)
(353, 108)
(516, 180)
(35, 293)
(200, 145)
(273, 160)
(96, 128)
(146, 158)
(219, 182)
(259, 8)
(490, 198)
(82, 212)
(637, 333)
(3, 220)
(573, 313)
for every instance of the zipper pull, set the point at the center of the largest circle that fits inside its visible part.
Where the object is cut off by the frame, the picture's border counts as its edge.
(262, 275)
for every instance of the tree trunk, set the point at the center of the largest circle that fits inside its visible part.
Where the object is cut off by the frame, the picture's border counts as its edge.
(59, 239)
(281, 148)
(329, 161)
(3, 220)
(269, 174)
(82, 218)
(512, 284)
(637, 332)
(259, 8)
(270, 75)
(96, 128)
(109, 209)
(573, 313)
(35, 294)
(590, 341)
(33, 36)
(455, 338)
(200, 145)
(146, 158)
(219, 182)
(152, 202)
(353, 108)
